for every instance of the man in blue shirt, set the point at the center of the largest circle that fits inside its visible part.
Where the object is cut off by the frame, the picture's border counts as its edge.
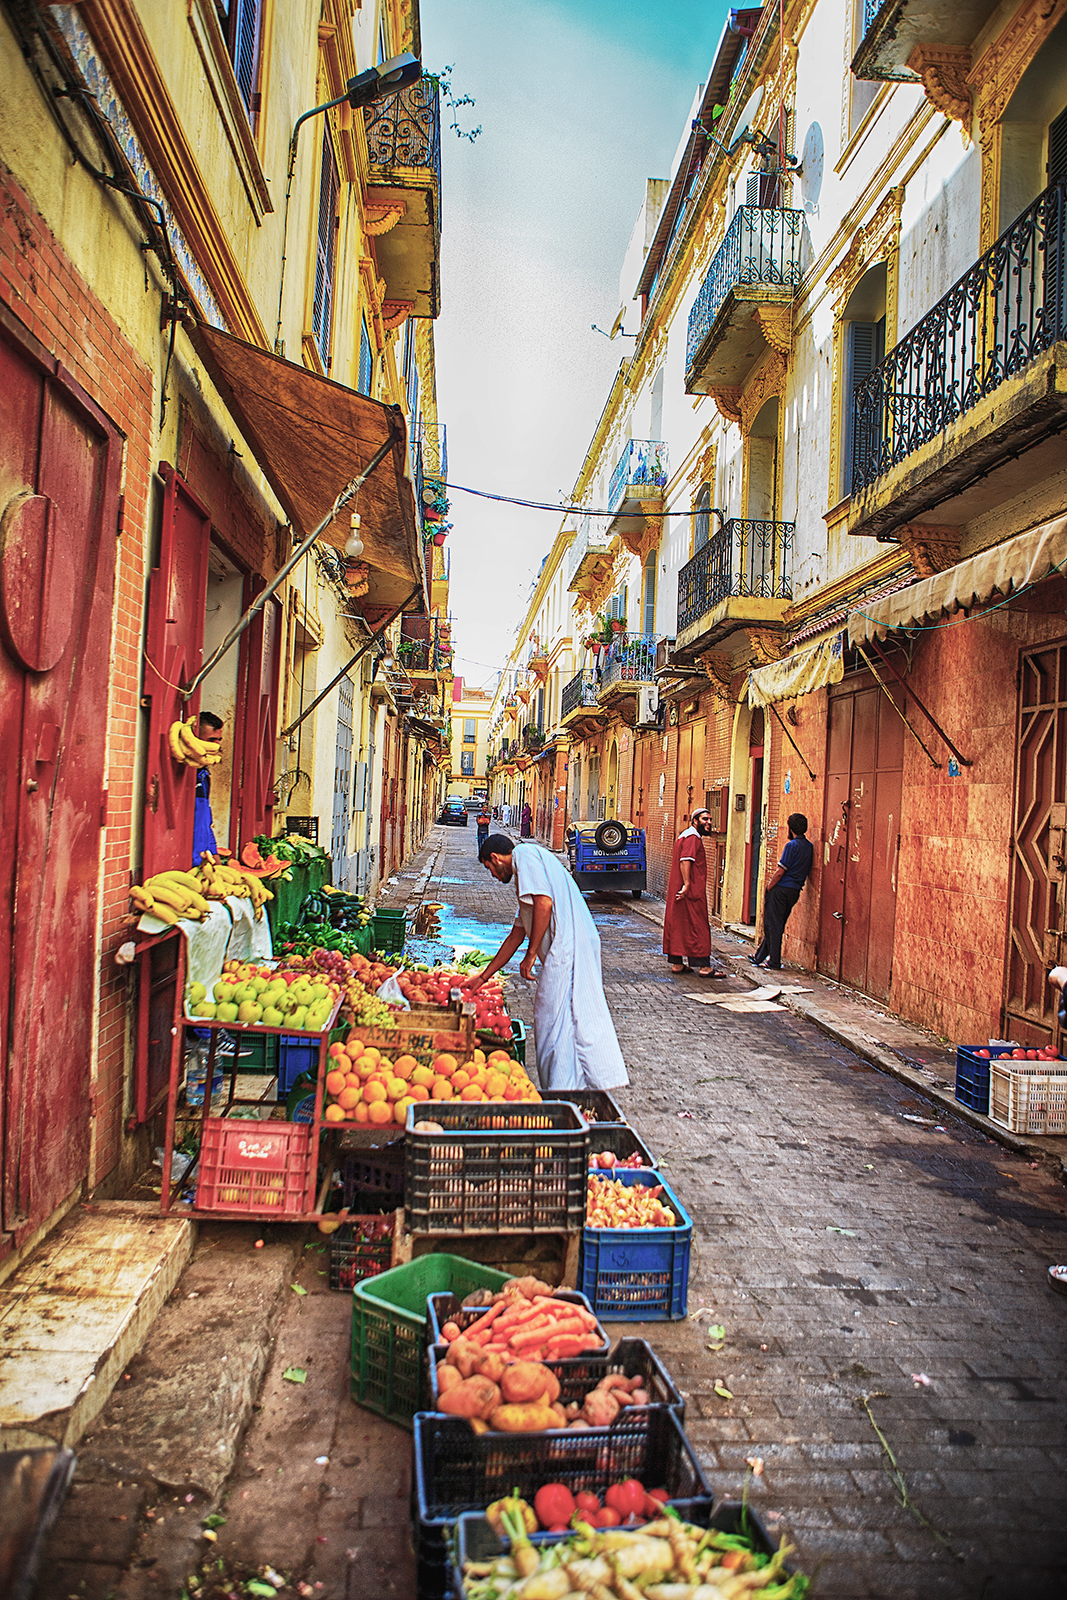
(783, 892)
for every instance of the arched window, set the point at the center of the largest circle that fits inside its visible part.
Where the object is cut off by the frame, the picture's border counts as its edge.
(702, 518)
(864, 348)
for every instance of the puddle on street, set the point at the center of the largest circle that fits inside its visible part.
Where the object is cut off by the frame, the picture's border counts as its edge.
(439, 931)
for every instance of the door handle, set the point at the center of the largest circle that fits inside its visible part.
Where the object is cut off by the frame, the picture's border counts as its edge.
(839, 916)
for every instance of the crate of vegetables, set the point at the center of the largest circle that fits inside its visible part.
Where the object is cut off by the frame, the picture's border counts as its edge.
(362, 1247)
(505, 1167)
(1029, 1096)
(635, 1248)
(615, 1144)
(596, 1105)
(739, 1543)
(631, 1375)
(528, 1306)
(389, 1329)
(457, 1470)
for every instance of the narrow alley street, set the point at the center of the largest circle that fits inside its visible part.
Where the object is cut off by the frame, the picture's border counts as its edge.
(880, 1279)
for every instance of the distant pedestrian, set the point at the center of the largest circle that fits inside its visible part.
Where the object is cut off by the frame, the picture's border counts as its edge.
(526, 823)
(686, 927)
(483, 819)
(783, 892)
(209, 727)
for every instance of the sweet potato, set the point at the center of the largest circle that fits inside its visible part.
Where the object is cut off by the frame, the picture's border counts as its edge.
(614, 1380)
(528, 1287)
(639, 1397)
(600, 1408)
(447, 1377)
(523, 1382)
(474, 1397)
(560, 1415)
(533, 1418)
(551, 1386)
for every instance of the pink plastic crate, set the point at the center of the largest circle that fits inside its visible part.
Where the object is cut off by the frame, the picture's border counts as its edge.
(262, 1169)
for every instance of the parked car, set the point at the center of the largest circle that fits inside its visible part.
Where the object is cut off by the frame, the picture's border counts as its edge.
(455, 812)
(607, 855)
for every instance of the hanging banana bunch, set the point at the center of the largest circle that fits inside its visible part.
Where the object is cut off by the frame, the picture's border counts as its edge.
(171, 896)
(188, 749)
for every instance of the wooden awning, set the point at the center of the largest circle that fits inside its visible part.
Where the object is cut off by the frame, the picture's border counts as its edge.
(311, 436)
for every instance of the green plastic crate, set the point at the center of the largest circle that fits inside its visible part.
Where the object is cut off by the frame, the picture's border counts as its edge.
(289, 895)
(389, 1329)
(390, 929)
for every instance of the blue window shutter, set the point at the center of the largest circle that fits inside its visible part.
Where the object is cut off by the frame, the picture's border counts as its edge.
(245, 26)
(365, 359)
(322, 311)
(865, 351)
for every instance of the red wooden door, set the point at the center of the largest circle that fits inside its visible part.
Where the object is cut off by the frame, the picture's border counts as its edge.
(642, 772)
(59, 473)
(256, 725)
(174, 642)
(861, 834)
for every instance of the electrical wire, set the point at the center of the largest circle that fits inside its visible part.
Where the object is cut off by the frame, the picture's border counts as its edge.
(560, 510)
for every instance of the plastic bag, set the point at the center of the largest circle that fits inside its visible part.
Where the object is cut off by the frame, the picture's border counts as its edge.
(391, 992)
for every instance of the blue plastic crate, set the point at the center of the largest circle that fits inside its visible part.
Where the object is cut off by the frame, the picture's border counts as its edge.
(972, 1076)
(297, 1054)
(637, 1274)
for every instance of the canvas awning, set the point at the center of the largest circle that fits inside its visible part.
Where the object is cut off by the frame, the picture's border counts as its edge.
(1004, 570)
(311, 436)
(800, 673)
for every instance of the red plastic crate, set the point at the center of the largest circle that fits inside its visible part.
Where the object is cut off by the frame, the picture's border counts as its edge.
(262, 1169)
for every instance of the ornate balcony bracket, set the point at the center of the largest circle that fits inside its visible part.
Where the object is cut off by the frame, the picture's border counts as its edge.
(641, 533)
(776, 321)
(943, 69)
(728, 401)
(931, 548)
(721, 672)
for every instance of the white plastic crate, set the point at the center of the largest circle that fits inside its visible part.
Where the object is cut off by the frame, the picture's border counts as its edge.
(1028, 1098)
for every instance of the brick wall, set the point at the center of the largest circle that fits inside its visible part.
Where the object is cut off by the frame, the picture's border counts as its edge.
(40, 285)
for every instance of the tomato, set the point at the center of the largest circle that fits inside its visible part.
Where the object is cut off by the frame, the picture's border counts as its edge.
(554, 1504)
(1031, 1055)
(587, 1502)
(655, 1500)
(1018, 1055)
(984, 1053)
(627, 1498)
(607, 1518)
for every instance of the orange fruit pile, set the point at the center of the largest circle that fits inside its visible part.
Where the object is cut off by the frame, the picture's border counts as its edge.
(362, 1085)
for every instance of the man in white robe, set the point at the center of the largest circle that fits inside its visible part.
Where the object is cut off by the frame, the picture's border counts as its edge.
(575, 1037)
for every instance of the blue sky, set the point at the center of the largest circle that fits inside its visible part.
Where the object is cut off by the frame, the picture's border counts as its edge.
(578, 104)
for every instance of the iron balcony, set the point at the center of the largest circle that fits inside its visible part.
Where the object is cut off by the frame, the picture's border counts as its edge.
(757, 264)
(404, 147)
(640, 473)
(578, 695)
(741, 577)
(630, 661)
(893, 30)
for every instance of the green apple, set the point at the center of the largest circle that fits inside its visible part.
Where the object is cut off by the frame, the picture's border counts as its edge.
(226, 1011)
(249, 1011)
(298, 1017)
(272, 1017)
(197, 992)
(223, 990)
(319, 991)
(205, 1009)
(259, 984)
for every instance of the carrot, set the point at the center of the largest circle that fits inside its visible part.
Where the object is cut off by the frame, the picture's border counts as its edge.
(512, 1319)
(564, 1345)
(572, 1325)
(485, 1321)
(523, 1341)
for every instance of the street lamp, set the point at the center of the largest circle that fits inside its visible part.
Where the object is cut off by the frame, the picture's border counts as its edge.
(363, 90)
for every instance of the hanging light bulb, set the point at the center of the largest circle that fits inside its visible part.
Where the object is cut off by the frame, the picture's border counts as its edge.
(354, 544)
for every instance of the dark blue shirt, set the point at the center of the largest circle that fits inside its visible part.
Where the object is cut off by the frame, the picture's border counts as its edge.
(796, 859)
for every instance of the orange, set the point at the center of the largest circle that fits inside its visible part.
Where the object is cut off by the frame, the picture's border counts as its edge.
(371, 1052)
(355, 1047)
(405, 1066)
(400, 1110)
(498, 1055)
(374, 1094)
(460, 1080)
(349, 1098)
(334, 1114)
(335, 1082)
(365, 1067)
(444, 1065)
(353, 1080)
(379, 1113)
(418, 1091)
(479, 1057)
(495, 1084)
(534, 1097)
(442, 1089)
(471, 1092)
(385, 1065)
(511, 1093)
(361, 1113)
(422, 1075)
(335, 1050)
(396, 1088)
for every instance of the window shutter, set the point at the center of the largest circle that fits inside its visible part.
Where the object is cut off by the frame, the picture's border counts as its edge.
(365, 362)
(322, 312)
(866, 348)
(255, 733)
(1057, 149)
(702, 519)
(174, 640)
(245, 20)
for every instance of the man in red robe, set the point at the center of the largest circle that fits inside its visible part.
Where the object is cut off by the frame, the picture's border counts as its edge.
(686, 929)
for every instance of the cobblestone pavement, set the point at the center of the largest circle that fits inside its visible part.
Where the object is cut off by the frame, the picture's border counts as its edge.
(872, 1272)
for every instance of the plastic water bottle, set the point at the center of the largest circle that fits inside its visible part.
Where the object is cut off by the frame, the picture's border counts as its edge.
(196, 1058)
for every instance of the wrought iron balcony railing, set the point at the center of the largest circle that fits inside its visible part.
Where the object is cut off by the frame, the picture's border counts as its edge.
(581, 691)
(631, 662)
(1001, 315)
(644, 462)
(592, 536)
(871, 9)
(533, 740)
(762, 245)
(745, 558)
(435, 451)
(404, 129)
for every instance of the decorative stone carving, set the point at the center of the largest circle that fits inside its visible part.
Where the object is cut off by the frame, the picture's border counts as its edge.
(396, 312)
(728, 401)
(870, 244)
(721, 672)
(382, 219)
(768, 380)
(932, 547)
(943, 70)
(767, 646)
(640, 535)
(776, 324)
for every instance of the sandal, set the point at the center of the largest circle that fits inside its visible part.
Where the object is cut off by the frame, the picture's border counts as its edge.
(677, 971)
(710, 972)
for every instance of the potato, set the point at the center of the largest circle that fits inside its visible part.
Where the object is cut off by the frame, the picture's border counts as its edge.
(524, 1382)
(466, 1355)
(533, 1418)
(600, 1409)
(447, 1377)
(528, 1287)
(493, 1365)
(474, 1397)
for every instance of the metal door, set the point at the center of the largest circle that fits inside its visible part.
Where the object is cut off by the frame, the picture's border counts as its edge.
(342, 783)
(59, 474)
(689, 789)
(1038, 901)
(256, 726)
(861, 838)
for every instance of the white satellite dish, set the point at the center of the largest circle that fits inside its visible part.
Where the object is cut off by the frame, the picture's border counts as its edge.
(748, 116)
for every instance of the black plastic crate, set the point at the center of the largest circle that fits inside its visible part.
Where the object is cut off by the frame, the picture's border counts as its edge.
(353, 1257)
(458, 1470)
(621, 1140)
(442, 1308)
(377, 1171)
(579, 1374)
(596, 1105)
(518, 1167)
(475, 1540)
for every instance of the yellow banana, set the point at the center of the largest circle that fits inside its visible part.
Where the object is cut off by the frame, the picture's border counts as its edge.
(173, 739)
(178, 899)
(165, 914)
(187, 880)
(189, 740)
(142, 897)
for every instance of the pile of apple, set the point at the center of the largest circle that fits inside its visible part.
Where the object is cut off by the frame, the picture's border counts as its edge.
(363, 1085)
(1047, 1052)
(273, 998)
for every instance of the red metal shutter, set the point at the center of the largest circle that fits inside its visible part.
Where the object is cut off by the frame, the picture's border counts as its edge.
(174, 642)
(59, 466)
(256, 731)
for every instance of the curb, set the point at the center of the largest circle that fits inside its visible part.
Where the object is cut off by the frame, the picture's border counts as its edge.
(885, 1060)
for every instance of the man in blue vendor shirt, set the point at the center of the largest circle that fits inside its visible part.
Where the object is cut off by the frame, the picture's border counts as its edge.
(783, 892)
(208, 727)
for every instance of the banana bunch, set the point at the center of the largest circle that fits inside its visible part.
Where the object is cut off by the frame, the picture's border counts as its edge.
(188, 749)
(219, 879)
(171, 895)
